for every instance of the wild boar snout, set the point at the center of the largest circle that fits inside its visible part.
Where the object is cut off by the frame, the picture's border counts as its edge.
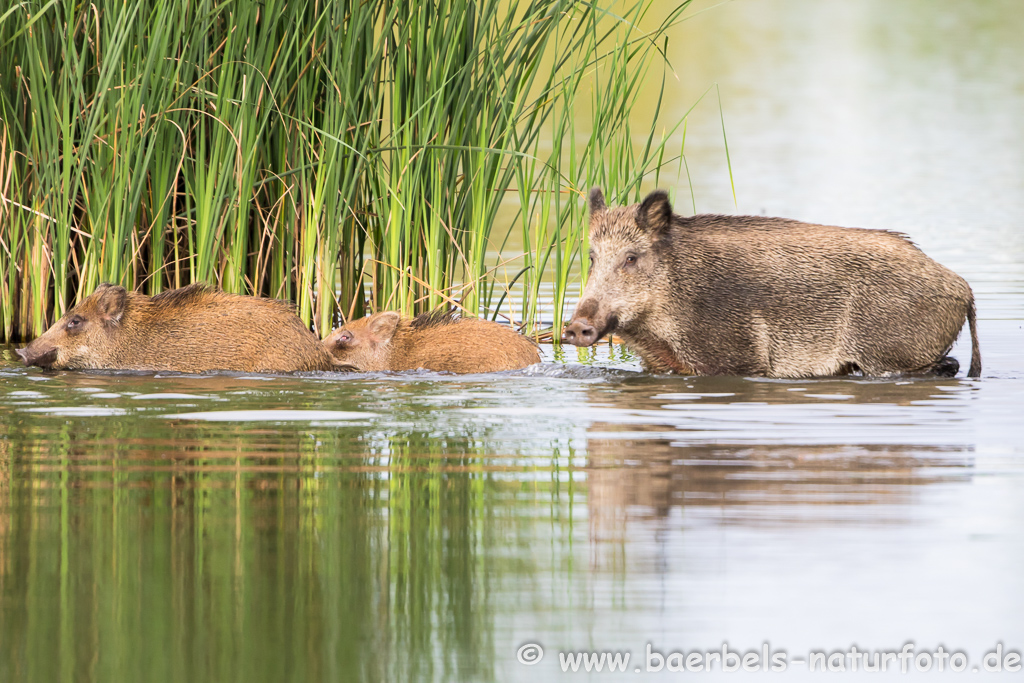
(579, 332)
(43, 358)
(588, 324)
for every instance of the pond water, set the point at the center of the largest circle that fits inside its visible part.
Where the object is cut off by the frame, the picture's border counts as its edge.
(422, 526)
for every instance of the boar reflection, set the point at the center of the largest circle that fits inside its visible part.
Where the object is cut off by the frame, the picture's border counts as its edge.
(649, 392)
(648, 478)
(759, 450)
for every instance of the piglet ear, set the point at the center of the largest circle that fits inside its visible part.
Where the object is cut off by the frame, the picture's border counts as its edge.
(596, 201)
(339, 339)
(382, 326)
(111, 302)
(655, 213)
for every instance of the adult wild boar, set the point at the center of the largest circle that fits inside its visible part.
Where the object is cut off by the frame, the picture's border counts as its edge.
(432, 341)
(742, 295)
(192, 329)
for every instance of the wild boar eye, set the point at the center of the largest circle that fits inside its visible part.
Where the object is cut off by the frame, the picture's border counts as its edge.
(631, 260)
(74, 322)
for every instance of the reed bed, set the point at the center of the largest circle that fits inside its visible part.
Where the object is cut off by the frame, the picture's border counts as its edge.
(348, 155)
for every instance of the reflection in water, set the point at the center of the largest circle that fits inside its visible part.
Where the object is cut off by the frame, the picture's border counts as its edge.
(138, 549)
(705, 446)
(397, 528)
(753, 481)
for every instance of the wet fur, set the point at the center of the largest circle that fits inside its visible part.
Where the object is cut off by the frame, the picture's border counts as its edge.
(769, 296)
(438, 318)
(192, 329)
(439, 341)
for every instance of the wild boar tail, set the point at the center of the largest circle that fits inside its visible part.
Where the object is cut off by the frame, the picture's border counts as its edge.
(975, 369)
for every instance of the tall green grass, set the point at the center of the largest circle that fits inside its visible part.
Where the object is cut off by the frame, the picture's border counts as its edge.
(348, 155)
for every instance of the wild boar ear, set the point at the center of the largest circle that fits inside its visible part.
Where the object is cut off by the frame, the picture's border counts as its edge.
(655, 214)
(111, 302)
(383, 326)
(596, 201)
(339, 339)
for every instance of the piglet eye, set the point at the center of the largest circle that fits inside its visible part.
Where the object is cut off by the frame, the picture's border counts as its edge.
(345, 337)
(74, 322)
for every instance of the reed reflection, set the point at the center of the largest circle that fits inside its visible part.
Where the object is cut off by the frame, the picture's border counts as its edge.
(160, 550)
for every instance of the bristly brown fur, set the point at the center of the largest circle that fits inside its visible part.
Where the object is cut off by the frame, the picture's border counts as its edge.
(184, 296)
(201, 293)
(440, 340)
(192, 329)
(774, 297)
(438, 318)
